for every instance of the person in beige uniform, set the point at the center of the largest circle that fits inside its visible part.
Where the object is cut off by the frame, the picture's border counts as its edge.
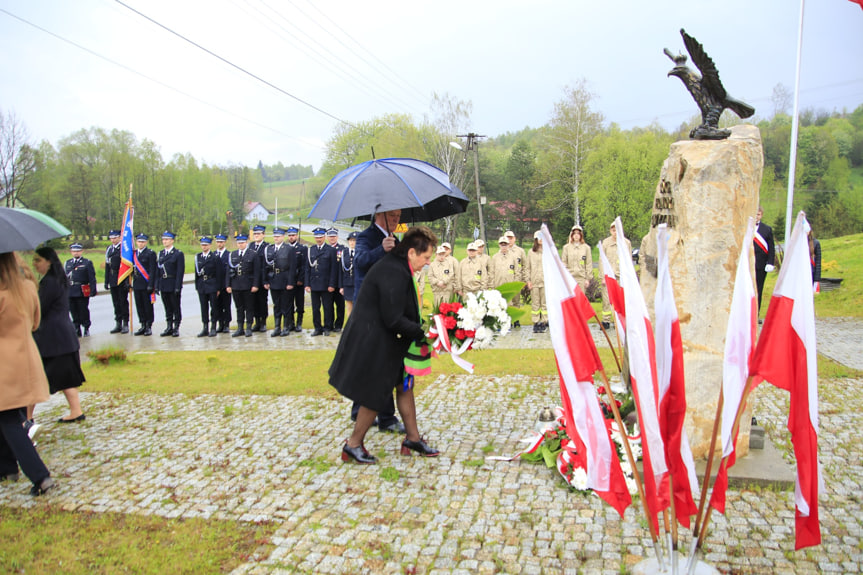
(609, 247)
(484, 257)
(577, 258)
(536, 284)
(503, 268)
(520, 258)
(442, 277)
(420, 277)
(472, 274)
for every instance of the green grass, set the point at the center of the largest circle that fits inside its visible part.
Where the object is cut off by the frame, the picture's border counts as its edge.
(46, 539)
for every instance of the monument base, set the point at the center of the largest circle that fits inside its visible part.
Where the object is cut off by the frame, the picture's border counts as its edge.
(651, 567)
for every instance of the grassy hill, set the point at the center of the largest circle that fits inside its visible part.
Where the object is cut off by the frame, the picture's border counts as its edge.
(294, 196)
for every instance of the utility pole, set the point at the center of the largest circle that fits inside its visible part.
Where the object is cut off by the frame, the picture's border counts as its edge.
(473, 144)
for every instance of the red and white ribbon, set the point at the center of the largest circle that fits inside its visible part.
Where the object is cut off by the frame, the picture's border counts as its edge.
(442, 344)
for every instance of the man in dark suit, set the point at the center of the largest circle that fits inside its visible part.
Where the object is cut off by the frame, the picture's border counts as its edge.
(321, 281)
(373, 243)
(261, 297)
(281, 279)
(209, 281)
(243, 284)
(169, 282)
(297, 297)
(223, 301)
(119, 292)
(144, 283)
(764, 253)
(82, 286)
(338, 298)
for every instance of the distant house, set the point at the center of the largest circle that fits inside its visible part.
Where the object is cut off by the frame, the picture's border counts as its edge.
(256, 212)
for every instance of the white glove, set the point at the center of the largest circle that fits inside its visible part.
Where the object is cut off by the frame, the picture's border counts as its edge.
(769, 268)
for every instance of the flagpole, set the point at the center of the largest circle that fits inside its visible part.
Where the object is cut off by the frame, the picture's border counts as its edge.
(792, 163)
(610, 345)
(709, 467)
(131, 316)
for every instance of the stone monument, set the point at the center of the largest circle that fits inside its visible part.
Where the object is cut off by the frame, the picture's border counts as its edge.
(707, 190)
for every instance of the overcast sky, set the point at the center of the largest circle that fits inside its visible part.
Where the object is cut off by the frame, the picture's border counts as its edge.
(345, 60)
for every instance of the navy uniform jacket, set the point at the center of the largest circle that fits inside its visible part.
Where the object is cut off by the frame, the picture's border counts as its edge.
(147, 260)
(171, 267)
(321, 270)
(262, 266)
(301, 255)
(245, 272)
(80, 272)
(281, 265)
(369, 249)
(112, 265)
(209, 273)
(225, 257)
(346, 268)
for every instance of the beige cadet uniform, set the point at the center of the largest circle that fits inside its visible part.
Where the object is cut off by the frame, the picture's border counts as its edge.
(521, 262)
(579, 261)
(503, 269)
(443, 277)
(534, 276)
(472, 275)
(609, 247)
(420, 277)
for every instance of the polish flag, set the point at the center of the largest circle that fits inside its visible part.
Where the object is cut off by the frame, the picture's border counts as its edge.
(577, 361)
(860, 2)
(739, 345)
(615, 293)
(785, 356)
(672, 387)
(642, 370)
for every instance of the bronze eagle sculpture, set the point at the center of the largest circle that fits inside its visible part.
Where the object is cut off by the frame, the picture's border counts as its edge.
(706, 90)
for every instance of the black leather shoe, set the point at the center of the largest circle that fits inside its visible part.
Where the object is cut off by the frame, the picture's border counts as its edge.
(317, 332)
(286, 331)
(86, 332)
(176, 331)
(148, 330)
(140, 330)
(276, 333)
(326, 333)
(116, 328)
(204, 332)
(397, 427)
(124, 328)
(81, 417)
(167, 331)
(298, 328)
(248, 333)
(238, 333)
(358, 454)
(43, 488)
(212, 331)
(420, 447)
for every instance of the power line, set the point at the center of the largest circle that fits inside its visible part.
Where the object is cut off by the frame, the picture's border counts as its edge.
(154, 80)
(235, 66)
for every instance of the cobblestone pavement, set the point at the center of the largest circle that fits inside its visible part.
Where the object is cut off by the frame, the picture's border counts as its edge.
(276, 459)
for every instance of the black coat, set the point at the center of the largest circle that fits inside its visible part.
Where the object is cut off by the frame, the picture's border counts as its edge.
(763, 258)
(322, 271)
(209, 273)
(56, 334)
(225, 257)
(146, 260)
(346, 268)
(171, 268)
(301, 254)
(281, 265)
(367, 252)
(369, 361)
(262, 266)
(245, 272)
(113, 257)
(80, 273)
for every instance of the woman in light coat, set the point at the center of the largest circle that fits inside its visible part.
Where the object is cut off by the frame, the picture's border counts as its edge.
(577, 258)
(22, 379)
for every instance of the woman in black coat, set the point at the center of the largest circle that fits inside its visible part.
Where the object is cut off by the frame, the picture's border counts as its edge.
(56, 338)
(369, 361)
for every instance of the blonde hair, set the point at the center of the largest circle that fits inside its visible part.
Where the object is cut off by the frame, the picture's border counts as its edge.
(13, 273)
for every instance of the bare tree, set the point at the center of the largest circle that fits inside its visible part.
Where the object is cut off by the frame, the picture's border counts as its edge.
(17, 158)
(574, 125)
(782, 99)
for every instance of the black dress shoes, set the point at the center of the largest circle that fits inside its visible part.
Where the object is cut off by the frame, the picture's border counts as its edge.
(46, 485)
(397, 427)
(317, 332)
(358, 454)
(81, 417)
(420, 447)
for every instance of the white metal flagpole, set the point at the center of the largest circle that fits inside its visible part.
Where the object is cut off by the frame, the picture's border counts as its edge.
(792, 164)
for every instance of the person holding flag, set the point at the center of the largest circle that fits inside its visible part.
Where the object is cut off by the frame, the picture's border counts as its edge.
(119, 288)
(144, 283)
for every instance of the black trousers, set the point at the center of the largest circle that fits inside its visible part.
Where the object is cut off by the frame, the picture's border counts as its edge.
(171, 301)
(121, 303)
(223, 304)
(209, 307)
(296, 301)
(339, 305)
(280, 304)
(262, 300)
(17, 449)
(79, 309)
(324, 298)
(144, 306)
(245, 302)
(760, 276)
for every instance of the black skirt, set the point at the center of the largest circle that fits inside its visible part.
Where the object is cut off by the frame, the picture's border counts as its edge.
(63, 371)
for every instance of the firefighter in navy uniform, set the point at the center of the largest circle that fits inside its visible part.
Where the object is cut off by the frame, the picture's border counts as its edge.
(346, 272)
(321, 281)
(119, 292)
(171, 265)
(144, 283)
(338, 298)
(209, 282)
(82, 286)
(281, 279)
(297, 298)
(243, 283)
(261, 297)
(223, 301)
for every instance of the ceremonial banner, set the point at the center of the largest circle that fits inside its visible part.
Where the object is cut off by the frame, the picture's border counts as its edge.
(126, 248)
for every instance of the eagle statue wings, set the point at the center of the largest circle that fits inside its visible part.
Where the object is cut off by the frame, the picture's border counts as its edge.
(706, 90)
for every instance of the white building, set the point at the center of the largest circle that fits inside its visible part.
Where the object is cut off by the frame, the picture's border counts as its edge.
(256, 212)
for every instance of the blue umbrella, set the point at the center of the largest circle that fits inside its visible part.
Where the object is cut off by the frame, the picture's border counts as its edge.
(422, 191)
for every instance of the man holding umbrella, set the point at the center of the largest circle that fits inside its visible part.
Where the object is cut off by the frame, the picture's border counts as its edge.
(82, 286)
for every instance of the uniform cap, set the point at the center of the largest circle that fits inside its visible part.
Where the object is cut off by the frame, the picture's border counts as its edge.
(167, 234)
(537, 235)
(333, 232)
(353, 235)
(221, 237)
(259, 228)
(576, 227)
(76, 246)
(441, 250)
(114, 234)
(446, 245)
(503, 240)
(293, 230)
(509, 234)
(206, 240)
(142, 237)
(480, 243)
(318, 232)
(471, 247)
(242, 238)
(278, 232)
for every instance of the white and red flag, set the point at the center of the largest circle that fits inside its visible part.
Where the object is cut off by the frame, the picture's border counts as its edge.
(739, 345)
(672, 387)
(612, 287)
(577, 361)
(785, 356)
(642, 371)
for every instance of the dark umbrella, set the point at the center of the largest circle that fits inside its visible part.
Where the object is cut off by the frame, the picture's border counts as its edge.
(422, 191)
(25, 229)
